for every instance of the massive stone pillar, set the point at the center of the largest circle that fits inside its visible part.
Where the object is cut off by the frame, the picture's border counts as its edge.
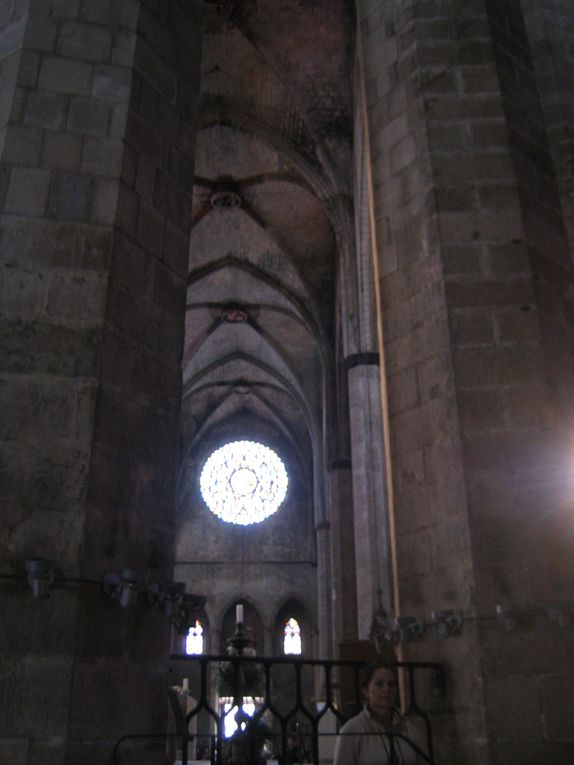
(549, 27)
(470, 254)
(97, 109)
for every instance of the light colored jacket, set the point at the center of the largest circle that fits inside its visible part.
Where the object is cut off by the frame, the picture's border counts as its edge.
(365, 741)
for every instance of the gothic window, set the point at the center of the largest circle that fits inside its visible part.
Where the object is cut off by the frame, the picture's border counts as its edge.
(194, 639)
(243, 482)
(292, 637)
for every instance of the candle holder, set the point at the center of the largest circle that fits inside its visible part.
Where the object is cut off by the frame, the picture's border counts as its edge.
(240, 644)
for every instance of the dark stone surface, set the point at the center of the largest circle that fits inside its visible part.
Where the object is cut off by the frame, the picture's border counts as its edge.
(70, 196)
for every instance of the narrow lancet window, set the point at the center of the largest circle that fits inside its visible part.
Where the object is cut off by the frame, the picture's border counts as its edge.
(194, 639)
(292, 637)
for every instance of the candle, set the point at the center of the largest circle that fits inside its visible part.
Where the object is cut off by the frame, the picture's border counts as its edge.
(239, 613)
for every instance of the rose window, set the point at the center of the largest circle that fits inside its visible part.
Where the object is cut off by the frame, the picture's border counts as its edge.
(243, 482)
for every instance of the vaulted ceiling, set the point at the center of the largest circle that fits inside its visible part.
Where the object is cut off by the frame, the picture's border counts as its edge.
(269, 213)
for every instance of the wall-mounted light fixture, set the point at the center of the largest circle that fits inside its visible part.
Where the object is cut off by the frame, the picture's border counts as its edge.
(124, 587)
(165, 595)
(41, 575)
(408, 628)
(448, 622)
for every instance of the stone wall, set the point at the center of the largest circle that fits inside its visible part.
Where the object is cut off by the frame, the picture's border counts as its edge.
(267, 564)
(94, 249)
(467, 218)
(432, 539)
(549, 29)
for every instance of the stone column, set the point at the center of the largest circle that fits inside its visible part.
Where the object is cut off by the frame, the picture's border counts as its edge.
(344, 595)
(98, 106)
(324, 589)
(549, 27)
(371, 523)
(467, 251)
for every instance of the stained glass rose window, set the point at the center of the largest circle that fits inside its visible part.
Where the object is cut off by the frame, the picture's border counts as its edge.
(243, 482)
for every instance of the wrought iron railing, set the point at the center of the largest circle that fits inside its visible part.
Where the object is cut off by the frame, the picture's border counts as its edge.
(299, 707)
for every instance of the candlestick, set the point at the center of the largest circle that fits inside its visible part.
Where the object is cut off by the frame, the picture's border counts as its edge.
(239, 613)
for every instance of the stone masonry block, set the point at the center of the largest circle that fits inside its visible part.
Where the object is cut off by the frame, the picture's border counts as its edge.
(119, 121)
(128, 206)
(482, 410)
(156, 72)
(150, 229)
(65, 76)
(126, 13)
(11, 37)
(4, 176)
(508, 258)
(21, 292)
(16, 108)
(168, 290)
(10, 65)
(527, 407)
(62, 150)
(24, 243)
(105, 202)
(85, 42)
(502, 692)
(472, 327)
(406, 393)
(28, 191)
(66, 9)
(123, 48)
(89, 115)
(112, 83)
(23, 145)
(37, 409)
(48, 681)
(102, 157)
(44, 109)
(14, 750)
(175, 249)
(516, 325)
(480, 79)
(403, 154)
(497, 196)
(414, 553)
(96, 11)
(70, 196)
(29, 69)
(468, 293)
(6, 8)
(76, 297)
(5, 104)
(145, 179)
(29, 346)
(497, 366)
(41, 32)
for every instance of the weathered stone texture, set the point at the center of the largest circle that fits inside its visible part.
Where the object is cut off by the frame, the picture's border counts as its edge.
(480, 148)
(65, 380)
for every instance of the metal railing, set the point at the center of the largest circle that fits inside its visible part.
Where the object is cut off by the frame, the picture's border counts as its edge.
(287, 720)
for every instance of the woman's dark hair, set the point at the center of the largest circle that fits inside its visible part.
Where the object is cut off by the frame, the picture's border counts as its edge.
(370, 669)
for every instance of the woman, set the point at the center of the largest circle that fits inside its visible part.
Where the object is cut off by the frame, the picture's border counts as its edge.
(365, 739)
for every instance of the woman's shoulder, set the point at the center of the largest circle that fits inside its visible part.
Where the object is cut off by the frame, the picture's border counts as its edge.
(356, 724)
(407, 725)
(412, 729)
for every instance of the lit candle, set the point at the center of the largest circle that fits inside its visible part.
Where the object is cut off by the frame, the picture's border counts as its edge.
(239, 613)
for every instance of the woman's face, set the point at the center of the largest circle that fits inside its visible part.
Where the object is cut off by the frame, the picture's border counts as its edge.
(381, 692)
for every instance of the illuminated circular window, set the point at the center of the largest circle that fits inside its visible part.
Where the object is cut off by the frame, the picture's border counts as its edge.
(243, 482)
